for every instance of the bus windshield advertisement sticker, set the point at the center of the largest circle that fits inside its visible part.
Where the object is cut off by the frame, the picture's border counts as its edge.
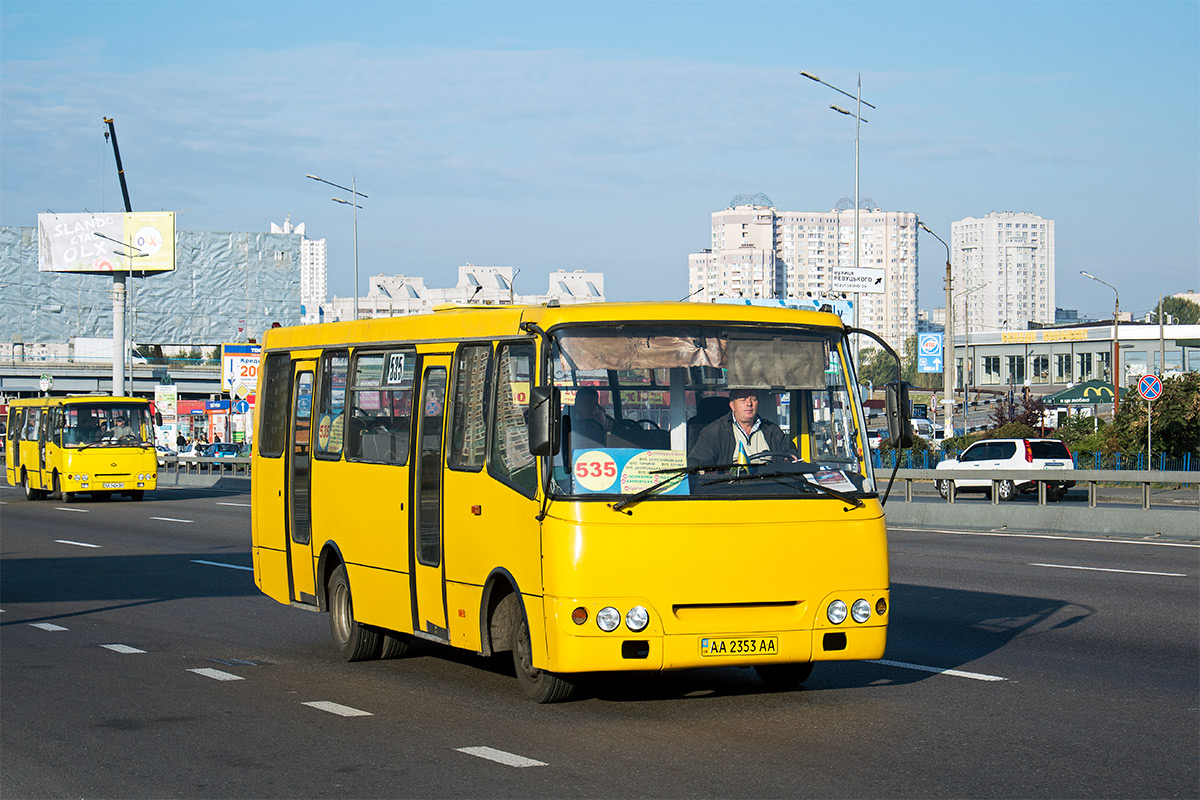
(628, 471)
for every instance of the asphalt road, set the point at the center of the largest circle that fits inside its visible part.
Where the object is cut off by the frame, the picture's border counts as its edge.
(137, 659)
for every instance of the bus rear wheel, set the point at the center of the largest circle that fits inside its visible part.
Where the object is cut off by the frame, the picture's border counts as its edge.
(784, 676)
(353, 641)
(30, 492)
(395, 645)
(539, 685)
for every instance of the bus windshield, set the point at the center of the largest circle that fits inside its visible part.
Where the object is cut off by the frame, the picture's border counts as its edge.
(669, 410)
(103, 424)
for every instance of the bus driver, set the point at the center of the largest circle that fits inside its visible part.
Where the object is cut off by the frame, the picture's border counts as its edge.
(740, 435)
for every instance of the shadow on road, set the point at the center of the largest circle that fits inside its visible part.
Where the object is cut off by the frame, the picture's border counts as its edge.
(122, 580)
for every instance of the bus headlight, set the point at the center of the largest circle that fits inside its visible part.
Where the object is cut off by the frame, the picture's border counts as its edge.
(861, 610)
(608, 619)
(637, 618)
(836, 612)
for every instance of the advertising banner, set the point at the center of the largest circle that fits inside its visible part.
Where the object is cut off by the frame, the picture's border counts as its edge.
(106, 243)
(239, 368)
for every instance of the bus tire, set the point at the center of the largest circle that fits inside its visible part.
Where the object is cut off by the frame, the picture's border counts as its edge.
(353, 640)
(539, 685)
(137, 494)
(30, 492)
(784, 676)
(66, 497)
(395, 645)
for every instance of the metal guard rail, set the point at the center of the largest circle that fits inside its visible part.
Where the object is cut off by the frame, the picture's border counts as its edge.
(1090, 478)
(224, 467)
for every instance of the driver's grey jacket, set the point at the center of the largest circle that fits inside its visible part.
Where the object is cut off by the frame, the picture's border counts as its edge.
(716, 445)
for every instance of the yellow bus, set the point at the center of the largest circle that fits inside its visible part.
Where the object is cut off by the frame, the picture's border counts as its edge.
(62, 446)
(441, 477)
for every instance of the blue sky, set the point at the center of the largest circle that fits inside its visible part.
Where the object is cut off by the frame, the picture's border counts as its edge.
(602, 136)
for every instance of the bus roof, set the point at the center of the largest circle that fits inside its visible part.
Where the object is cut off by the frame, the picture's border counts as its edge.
(467, 322)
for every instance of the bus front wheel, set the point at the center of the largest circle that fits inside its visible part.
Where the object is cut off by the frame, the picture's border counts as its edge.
(539, 685)
(354, 641)
(784, 676)
(65, 496)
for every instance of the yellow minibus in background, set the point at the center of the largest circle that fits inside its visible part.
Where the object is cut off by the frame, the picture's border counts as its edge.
(526, 479)
(62, 446)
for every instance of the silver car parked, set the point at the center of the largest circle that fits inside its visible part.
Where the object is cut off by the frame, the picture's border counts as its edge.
(989, 454)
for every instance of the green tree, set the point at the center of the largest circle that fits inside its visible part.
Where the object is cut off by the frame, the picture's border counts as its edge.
(1174, 420)
(1179, 309)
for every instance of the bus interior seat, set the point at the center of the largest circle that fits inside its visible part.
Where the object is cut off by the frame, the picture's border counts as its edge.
(708, 410)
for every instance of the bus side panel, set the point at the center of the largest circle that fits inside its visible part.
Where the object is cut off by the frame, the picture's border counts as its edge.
(363, 509)
(505, 534)
(271, 573)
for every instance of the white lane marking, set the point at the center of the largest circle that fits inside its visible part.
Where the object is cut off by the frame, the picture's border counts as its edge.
(337, 708)
(1042, 536)
(77, 544)
(957, 673)
(1103, 569)
(219, 564)
(76, 510)
(500, 757)
(47, 626)
(239, 505)
(217, 675)
(172, 519)
(122, 648)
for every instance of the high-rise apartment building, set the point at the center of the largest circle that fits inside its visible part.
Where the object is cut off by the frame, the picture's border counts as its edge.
(314, 272)
(759, 252)
(1003, 267)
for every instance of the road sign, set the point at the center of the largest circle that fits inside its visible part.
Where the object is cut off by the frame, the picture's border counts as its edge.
(241, 406)
(1150, 387)
(864, 280)
(929, 352)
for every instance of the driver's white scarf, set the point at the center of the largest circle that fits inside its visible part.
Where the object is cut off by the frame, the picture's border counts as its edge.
(752, 445)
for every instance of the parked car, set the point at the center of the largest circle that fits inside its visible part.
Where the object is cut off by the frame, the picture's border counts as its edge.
(164, 453)
(875, 439)
(1010, 454)
(191, 450)
(222, 450)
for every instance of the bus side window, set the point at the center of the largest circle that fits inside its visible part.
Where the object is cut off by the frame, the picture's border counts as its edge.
(274, 418)
(510, 459)
(468, 432)
(331, 404)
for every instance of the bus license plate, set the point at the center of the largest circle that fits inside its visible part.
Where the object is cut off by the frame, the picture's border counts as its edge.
(114, 486)
(739, 646)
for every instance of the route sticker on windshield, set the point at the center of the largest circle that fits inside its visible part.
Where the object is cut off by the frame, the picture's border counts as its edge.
(832, 479)
(626, 470)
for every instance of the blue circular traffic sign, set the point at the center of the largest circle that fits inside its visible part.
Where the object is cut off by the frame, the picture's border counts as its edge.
(1150, 387)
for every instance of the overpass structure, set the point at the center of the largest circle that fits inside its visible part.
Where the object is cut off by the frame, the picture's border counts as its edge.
(22, 378)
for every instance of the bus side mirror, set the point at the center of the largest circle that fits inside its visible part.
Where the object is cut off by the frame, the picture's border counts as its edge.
(158, 418)
(545, 409)
(899, 422)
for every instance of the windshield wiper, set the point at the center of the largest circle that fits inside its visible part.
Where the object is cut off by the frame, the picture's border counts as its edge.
(672, 474)
(849, 500)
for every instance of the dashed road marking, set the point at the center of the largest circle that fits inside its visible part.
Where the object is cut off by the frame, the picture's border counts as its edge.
(1125, 571)
(238, 505)
(217, 675)
(77, 544)
(172, 519)
(957, 673)
(337, 708)
(500, 757)
(47, 626)
(76, 510)
(219, 564)
(122, 648)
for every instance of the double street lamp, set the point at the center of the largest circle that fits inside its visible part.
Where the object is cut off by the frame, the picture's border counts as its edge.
(354, 206)
(858, 120)
(1116, 358)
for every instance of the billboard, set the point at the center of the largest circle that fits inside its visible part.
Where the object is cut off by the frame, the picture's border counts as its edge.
(106, 243)
(239, 368)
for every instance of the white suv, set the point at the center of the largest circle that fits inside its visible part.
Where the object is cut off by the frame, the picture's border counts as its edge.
(1010, 454)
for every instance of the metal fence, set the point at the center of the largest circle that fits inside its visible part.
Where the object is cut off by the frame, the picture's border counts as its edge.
(1161, 462)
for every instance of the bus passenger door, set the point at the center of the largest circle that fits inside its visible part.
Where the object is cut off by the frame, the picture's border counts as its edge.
(428, 587)
(300, 557)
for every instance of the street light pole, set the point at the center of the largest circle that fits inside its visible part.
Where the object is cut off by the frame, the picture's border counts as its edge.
(858, 120)
(354, 206)
(947, 343)
(1116, 359)
(967, 360)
